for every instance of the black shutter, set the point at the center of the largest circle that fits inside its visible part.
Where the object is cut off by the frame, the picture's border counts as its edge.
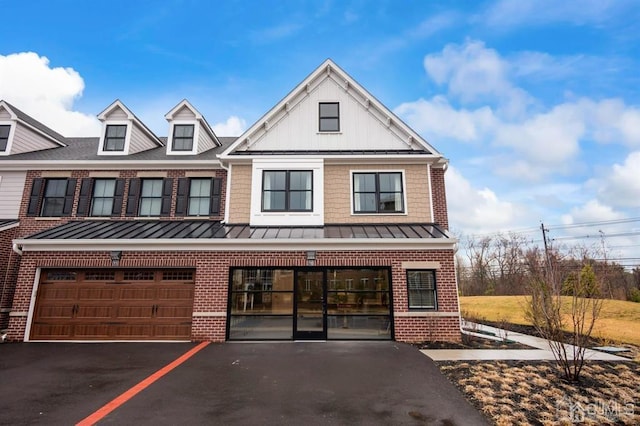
(182, 200)
(69, 197)
(84, 199)
(216, 189)
(133, 197)
(118, 196)
(167, 190)
(35, 197)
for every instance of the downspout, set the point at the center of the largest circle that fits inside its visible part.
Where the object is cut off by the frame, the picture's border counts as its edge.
(17, 249)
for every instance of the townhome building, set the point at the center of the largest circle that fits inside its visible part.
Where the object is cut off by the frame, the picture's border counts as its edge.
(325, 220)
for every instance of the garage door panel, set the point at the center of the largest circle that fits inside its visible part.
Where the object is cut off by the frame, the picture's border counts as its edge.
(54, 312)
(92, 331)
(51, 331)
(133, 331)
(153, 304)
(173, 293)
(96, 293)
(137, 293)
(134, 312)
(97, 311)
(54, 292)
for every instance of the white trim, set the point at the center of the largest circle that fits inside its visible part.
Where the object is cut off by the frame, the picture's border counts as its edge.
(328, 69)
(430, 192)
(194, 142)
(169, 163)
(275, 244)
(314, 217)
(12, 130)
(7, 227)
(404, 192)
(32, 304)
(127, 137)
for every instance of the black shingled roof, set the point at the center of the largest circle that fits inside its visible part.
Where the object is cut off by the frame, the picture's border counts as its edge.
(202, 229)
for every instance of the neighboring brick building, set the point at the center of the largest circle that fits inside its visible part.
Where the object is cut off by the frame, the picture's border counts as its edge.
(327, 219)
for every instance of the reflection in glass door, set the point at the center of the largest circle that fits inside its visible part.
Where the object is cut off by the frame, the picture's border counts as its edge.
(310, 321)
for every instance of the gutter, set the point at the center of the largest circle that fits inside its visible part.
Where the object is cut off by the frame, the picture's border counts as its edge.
(17, 248)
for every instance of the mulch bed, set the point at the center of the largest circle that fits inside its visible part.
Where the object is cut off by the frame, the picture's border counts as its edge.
(534, 392)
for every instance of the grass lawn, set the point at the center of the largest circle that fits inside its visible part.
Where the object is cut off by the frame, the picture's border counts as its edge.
(619, 321)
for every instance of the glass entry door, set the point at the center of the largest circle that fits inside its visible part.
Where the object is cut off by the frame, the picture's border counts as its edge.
(310, 308)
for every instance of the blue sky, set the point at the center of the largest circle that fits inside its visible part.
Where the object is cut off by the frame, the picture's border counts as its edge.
(535, 103)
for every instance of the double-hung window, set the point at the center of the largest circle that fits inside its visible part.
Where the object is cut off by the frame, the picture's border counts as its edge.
(378, 192)
(182, 137)
(4, 136)
(55, 191)
(198, 196)
(329, 114)
(114, 137)
(287, 190)
(421, 288)
(150, 197)
(103, 196)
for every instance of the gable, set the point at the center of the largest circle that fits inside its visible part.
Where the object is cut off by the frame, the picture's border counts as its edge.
(184, 113)
(117, 113)
(365, 124)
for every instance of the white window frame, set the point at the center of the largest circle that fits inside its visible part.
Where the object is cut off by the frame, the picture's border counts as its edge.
(12, 131)
(286, 218)
(127, 138)
(196, 136)
(404, 191)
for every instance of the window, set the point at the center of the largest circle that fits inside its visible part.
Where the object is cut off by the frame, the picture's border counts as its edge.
(182, 137)
(115, 137)
(54, 195)
(100, 197)
(287, 190)
(51, 197)
(377, 192)
(421, 287)
(150, 197)
(198, 197)
(4, 136)
(329, 117)
(103, 194)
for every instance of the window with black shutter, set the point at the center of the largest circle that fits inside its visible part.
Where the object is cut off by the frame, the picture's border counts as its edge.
(51, 197)
(198, 196)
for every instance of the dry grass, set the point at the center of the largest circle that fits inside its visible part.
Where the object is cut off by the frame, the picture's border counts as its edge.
(619, 321)
(517, 393)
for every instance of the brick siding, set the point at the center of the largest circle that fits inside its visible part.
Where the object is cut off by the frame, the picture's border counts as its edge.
(212, 281)
(439, 198)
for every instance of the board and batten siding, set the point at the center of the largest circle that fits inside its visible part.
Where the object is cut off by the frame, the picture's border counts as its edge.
(11, 189)
(337, 195)
(25, 140)
(359, 129)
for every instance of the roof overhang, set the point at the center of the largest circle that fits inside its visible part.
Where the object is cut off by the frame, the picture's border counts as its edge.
(169, 163)
(247, 244)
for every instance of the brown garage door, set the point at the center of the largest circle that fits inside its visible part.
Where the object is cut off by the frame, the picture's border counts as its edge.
(114, 305)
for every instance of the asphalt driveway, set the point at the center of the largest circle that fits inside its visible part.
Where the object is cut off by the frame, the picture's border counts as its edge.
(336, 383)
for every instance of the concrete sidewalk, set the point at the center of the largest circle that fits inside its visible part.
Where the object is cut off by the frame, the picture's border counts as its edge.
(542, 352)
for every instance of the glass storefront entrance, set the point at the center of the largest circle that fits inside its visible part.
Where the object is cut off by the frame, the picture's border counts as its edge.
(310, 303)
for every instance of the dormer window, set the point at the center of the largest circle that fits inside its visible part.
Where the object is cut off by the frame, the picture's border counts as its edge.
(4, 136)
(115, 137)
(182, 137)
(329, 117)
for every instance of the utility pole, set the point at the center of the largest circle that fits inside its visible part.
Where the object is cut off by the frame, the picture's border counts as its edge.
(546, 251)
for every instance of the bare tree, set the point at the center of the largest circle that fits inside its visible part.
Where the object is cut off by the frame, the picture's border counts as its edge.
(553, 317)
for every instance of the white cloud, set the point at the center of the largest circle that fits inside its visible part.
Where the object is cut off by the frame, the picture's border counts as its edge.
(47, 94)
(620, 187)
(234, 126)
(591, 211)
(436, 117)
(476, 210)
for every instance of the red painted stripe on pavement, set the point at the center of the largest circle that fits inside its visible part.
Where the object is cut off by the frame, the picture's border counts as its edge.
(127, 395)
